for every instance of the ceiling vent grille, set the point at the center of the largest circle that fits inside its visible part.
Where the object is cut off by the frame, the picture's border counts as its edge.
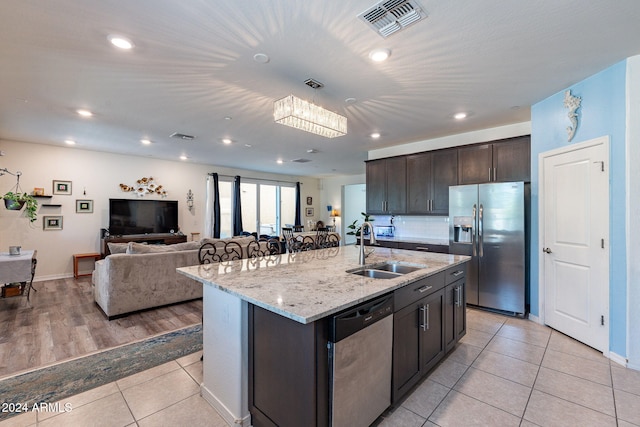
(301, 160)
(389, 17)
(182, 136)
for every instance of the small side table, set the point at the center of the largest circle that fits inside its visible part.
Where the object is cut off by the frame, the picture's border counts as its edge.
(78, 257)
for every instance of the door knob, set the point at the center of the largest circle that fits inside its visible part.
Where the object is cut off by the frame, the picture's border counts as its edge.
(546, 250)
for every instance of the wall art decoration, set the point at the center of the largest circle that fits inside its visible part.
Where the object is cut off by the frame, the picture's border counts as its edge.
(84, 206)
(51, 222)
(572, 103)
(143, 187)
(62, 187)
(309, 200)
(309, 212)
(38, 191)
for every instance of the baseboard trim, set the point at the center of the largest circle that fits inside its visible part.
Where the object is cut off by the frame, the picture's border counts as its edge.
(222, 410)
(620, 360)
(535, 319)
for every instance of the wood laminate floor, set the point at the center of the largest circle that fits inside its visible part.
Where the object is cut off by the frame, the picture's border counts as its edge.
(62, 322)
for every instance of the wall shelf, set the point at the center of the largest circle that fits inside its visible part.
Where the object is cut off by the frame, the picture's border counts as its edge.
(42, 197)
(49, 205)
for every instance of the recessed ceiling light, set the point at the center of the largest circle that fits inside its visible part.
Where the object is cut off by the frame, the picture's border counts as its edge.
(228, 118)
(379, 55)
(226, 141)
(261, 58)
(350, 101)
(279, 161)
(69, 141)
(120, 42)
(460, 116)
(248, 145)
(145, 141)
(84, 113)
(183, 157)
(375, 135)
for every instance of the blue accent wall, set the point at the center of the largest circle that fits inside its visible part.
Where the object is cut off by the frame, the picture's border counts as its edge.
(602, 112)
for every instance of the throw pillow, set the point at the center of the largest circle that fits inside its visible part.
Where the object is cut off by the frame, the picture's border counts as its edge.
(117, 248)
(139, 248)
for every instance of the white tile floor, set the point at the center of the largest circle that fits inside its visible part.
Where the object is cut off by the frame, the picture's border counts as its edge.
(505, 372)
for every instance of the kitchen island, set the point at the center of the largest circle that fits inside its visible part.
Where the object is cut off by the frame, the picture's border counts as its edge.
(277, 308)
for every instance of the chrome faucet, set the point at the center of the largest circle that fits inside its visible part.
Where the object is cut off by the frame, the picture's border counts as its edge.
(372, 240)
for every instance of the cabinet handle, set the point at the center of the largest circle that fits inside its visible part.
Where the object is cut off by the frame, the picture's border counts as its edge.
(489, 174)
(457, 273)
(421, 248)
(459, 296)
(424, 288)
(427, 316)
(423, 325)
(495, 177)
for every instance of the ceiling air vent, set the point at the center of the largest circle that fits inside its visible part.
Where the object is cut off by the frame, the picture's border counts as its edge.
(301, 160)
(389, 17)
(182, 136)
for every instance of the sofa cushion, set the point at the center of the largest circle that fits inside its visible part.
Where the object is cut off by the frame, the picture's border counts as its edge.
(140, 248)
(186, 246)
(117, 248)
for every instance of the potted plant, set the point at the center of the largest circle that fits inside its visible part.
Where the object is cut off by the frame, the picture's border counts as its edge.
(355, 228)
(16, 200)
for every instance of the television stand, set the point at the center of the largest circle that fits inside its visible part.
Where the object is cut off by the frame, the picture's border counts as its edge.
(152, 239)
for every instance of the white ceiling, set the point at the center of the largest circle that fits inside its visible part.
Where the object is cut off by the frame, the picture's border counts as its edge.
(193, 65)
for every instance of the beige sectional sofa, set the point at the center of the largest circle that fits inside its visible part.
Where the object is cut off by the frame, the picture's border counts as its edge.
(137, 276)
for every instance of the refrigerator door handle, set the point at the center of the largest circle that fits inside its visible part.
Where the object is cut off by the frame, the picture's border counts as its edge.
(473, 235)
(480, 231)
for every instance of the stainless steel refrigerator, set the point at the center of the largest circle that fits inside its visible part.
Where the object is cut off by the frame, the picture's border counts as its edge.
(487, 222)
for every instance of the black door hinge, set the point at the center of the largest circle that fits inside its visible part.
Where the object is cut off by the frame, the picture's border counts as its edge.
(602, 320)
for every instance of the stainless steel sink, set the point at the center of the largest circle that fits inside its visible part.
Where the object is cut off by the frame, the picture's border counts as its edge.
(397, 268)
(385, 270)
(376, 274)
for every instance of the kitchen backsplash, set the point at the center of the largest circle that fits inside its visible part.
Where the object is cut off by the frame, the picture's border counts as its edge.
(433, 227)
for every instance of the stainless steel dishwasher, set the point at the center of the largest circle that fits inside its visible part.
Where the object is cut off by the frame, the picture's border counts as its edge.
(360, 354)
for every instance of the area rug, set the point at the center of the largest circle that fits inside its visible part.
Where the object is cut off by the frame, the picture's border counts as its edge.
(53, 383)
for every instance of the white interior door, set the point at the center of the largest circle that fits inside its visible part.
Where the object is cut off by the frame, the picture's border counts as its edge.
(575, 241)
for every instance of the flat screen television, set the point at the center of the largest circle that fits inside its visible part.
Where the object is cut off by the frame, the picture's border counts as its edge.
(138, 216)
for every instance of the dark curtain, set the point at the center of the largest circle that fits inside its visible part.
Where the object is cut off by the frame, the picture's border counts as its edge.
(298, 208)
(237, 209)
(216, 206)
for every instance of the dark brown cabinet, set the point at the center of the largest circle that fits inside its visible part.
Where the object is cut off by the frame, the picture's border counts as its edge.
(455, 324)
(387, 186)
(499, 161)
(429, 176)
(441, 249)
(418, 332)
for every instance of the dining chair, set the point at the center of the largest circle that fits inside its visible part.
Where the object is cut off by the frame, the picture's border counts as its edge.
(322, 235)
(291, 241)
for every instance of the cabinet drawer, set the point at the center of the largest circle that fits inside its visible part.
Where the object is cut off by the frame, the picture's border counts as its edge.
(456, 273)
(418, 289)
(441, 249)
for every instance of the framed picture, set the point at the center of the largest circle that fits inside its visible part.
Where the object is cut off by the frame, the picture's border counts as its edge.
(52, 222)
(309, 212)
(84, 206)
(309, 200)
(38, 191)
(62, 187)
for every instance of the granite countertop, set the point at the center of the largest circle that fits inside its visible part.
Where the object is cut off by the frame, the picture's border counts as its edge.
(308, 286)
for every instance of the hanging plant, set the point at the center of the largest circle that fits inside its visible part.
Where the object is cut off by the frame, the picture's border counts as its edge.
(16, 199)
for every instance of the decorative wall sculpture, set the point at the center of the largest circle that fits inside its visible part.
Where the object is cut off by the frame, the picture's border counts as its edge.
(144, 186)
(572, 103)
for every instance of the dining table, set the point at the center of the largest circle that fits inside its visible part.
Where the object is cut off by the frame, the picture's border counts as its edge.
(18, 268)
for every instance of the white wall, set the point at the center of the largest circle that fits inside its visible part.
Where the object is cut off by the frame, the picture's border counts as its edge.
(331, 195)
(99, 174)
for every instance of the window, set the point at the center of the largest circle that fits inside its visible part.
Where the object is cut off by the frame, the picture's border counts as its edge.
(266, 206)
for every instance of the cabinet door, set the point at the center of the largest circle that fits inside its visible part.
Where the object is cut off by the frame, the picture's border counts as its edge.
(475, 164)
(419, 182)
(512, 160)
(406, 350)
(455, 316)
(431, 324)
(376, 186)
(396, 170)
(444, 173)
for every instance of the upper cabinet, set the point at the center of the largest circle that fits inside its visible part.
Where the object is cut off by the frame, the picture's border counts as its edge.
(387, 186)
(500, 161)
(429, 176)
